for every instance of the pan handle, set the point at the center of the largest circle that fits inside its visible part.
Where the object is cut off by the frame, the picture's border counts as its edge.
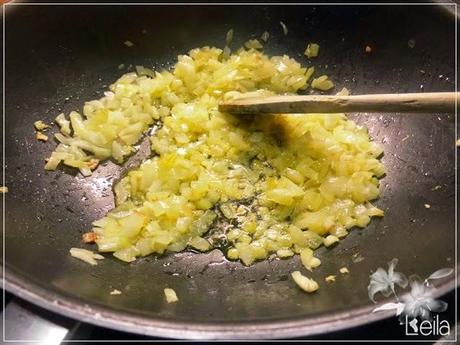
(25, 322)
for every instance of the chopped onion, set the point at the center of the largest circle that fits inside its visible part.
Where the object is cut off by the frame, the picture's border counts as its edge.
(171, 296)
(265, 36)
(280, 185)
(306, 284)
(344, 270)
(330, 240)
(253, 44)
(308, 260)
(284, 27)
(229, 37)
(86, 255)
(343, 92)
(312, 50)
(40, 136)
(330, 278)
(322, 83)
(40, 125)
(141, 70)
(64, 124)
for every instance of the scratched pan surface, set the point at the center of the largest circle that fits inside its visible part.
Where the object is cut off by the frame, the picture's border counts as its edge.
(59, 56)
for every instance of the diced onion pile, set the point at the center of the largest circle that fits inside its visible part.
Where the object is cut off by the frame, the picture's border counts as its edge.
(261, 185)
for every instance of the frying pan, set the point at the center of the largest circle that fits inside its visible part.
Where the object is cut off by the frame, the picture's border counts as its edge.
(59, 56)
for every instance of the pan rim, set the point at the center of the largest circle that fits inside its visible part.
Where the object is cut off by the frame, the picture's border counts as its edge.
(105, 316)
(124, 321)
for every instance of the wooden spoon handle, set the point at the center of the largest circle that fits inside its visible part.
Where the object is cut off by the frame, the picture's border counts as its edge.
(444, 102)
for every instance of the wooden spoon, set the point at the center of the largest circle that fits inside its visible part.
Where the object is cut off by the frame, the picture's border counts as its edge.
(434, 102)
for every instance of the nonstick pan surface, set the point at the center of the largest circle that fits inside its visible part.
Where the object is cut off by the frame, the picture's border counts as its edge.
(57, 57)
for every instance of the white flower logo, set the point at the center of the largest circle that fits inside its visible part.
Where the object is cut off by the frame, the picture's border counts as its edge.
(419, 302)
(384, 282)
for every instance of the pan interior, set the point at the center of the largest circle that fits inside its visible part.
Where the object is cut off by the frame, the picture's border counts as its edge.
(65, 55)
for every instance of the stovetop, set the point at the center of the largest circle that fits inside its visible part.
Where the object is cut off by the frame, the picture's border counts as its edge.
(26, 321)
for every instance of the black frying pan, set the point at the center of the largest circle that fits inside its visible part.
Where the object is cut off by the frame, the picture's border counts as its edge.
(59, 56)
